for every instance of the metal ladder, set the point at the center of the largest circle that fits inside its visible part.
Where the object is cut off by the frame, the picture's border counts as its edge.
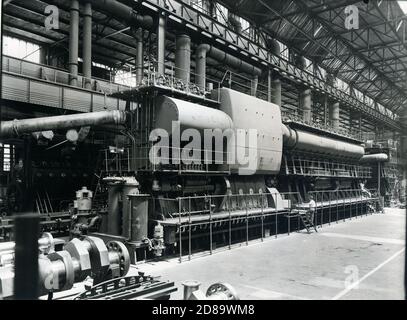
(309, 225)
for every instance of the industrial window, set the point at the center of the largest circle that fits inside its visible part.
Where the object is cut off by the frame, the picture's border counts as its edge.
(284, 50)
(201, 5)
(21, 49)
(342, 85)
(221, 13)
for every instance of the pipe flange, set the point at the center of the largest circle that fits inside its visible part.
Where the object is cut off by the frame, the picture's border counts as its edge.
(124, 257)
(224, 288)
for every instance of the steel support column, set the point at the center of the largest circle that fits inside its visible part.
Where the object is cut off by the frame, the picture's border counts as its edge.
(87, 45)
(74, 43)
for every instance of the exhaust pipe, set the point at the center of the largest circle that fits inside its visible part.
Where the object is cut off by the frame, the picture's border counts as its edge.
(17, 127)
(205, 50)
(300, 140)
(122, 12)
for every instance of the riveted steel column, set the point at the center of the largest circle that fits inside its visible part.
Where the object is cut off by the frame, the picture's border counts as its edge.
(87, 44)
(74, 43)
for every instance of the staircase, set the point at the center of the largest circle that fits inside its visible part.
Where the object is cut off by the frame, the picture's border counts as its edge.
(308, 224)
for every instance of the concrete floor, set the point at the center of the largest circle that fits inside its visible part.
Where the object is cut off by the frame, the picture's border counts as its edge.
(361, 258)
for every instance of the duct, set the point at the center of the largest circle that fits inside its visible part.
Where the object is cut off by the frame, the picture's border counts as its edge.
(74, 43)
(87, 45)
(122, 12)
(161, 44)
(183, 57)
(189, 115)
(274, 47)
(305, 103)
(274, 88)
(254, 85)
(377, 157)
(334, 115)
(206, 50)
(140, 56)
(299, 140)
(17, 127)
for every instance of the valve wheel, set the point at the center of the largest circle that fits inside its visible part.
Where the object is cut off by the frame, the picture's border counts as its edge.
(224, 288)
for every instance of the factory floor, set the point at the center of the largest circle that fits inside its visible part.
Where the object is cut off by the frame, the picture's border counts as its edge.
(361, 258)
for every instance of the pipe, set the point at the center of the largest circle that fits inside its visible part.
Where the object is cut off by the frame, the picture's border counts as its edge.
(334, 115)
(140, 56)
(305, 104)
(377, 157)
(295, 139)
(74, 43)
(17, 127)
(161, 44)
(274, 88)
(87, 45)
(206, 50)
(183, 57)
(254, 85)
(122, 12)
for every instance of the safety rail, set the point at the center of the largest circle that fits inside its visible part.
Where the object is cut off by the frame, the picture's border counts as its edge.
(120, 161)
(55, 75)
(297, 117)
(319, 168)
(271, 213)
(168, 81)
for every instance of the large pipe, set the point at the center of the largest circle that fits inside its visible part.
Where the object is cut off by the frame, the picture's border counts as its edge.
(16, 127)
(377, 157)
(295, 139)
(161, 44)
(183, 57)
(274, 82)
(305, 104)
(122, 12)
(87, 44)
(334, 115)
(254, 85)
(206, 50)
(74, 43)
(140, 56)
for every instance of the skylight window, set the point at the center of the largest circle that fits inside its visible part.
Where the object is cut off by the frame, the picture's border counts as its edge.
(403, 6)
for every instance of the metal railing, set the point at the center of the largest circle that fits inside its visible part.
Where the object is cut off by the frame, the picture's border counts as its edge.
(155, 158)
(320, 168)
(168, 81)
(297, 117)
(246, 213)
(58, 76)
